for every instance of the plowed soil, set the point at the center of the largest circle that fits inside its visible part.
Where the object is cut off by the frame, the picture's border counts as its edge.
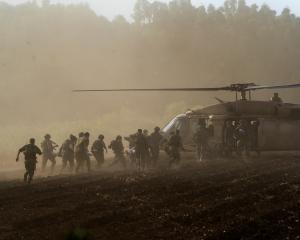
(221, 199)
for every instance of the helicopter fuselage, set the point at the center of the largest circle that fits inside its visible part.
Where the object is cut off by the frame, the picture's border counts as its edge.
(278, 128)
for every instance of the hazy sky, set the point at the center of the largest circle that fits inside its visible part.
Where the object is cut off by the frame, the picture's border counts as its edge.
(111, 8)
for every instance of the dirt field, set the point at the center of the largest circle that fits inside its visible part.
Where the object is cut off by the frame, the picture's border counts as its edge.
(259, 199)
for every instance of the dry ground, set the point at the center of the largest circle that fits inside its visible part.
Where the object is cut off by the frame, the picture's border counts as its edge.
(224, 199)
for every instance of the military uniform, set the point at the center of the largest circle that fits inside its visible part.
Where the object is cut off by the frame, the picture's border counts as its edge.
(242, 140)
(118, 149)
(98, 151)
(175, 146)
(131, 152)
(253, 137)
(155, 141)
(67, 153)
(48, 148)
(276, 98)
(201, 139)
(229, 140)
(30, 151)
(141, 149)
(82, 153)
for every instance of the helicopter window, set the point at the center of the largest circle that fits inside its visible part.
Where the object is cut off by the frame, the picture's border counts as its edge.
(170, 126)
(177, 123)
(182, 125)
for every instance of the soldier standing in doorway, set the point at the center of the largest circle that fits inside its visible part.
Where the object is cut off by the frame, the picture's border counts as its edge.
(201, 139)
(253, 135)
(242, 138)
(229, 140)
(276, 98)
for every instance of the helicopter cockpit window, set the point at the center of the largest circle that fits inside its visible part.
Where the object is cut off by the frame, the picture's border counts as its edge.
(177, 124)
(170, 126)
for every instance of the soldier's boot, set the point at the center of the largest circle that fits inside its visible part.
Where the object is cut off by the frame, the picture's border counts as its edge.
(78, 167)
(53, 166)
(25, 176)
(71, 166)
(124, 163)
(29, 179)
(172, 161)
(64, 165)
(44, 164)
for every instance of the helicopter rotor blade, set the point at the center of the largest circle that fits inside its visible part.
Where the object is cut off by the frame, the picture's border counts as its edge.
(157, 90)
(253, 88)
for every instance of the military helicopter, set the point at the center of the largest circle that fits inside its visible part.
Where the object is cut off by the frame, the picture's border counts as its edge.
(278, 123)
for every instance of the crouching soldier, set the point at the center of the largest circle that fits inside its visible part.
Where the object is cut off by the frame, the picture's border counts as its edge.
(30, 151)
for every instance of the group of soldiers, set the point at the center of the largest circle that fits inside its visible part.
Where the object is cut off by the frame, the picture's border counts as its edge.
(76, 154)
(241, 137)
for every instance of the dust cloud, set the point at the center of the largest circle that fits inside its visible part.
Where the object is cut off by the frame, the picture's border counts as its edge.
(47, 51)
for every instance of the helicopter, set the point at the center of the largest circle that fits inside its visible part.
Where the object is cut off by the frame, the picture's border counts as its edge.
(278, 123)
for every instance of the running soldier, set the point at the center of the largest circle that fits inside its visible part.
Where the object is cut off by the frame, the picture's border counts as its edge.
(131, 139)
(67, 153)
(118, 149)
(148, 150)
(82, 152)
(98, 150)
(78, 150)
(201, 140)
(30, 151)
(175, 144)
(141, 149)
(155, 141)
(48, 147)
